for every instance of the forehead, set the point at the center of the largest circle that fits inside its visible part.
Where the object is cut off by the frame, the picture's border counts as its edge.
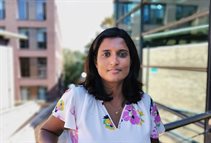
(115, 42)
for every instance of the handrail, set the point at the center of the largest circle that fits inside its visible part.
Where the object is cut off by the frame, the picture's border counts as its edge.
(175, 32)
(176, 23)
(178, 113)
(188, 120)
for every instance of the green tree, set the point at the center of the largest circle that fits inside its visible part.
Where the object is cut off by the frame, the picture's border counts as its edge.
(73, 66)
(108, 22)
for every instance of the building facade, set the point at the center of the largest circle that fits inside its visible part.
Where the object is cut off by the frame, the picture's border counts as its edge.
(172, 40)
(37, 59)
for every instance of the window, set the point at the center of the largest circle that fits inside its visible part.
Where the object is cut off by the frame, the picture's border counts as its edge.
(2, 9)
(24, 43)
(25, 93)
(26, 12)
(38, 34)
(25, 67)
(33, 92)
(41, 38)
(154, 14)
(42, 93)
(40, 10)
(184, 11)
(23, 9)
(124, 8)
(41, 67)
(33, 67)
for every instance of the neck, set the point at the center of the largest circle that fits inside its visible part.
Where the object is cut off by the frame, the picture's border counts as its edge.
(114, 88)
(116, 92)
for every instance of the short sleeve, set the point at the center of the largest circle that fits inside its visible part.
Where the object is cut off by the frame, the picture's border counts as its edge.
(157, 126)
(65, 109)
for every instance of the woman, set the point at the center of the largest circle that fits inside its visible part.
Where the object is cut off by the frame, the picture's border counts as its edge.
(109, 107)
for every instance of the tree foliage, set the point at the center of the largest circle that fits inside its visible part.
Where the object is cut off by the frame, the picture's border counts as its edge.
(73, 66)
(108, 22)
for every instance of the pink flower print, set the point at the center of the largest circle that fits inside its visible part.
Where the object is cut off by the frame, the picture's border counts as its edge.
(154, 110)
(157, 120)
(154, 134)
(130, 114)
(74, 136)
(155, 115)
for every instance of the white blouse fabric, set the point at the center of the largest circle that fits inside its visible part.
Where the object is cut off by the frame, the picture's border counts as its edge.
(88, 121)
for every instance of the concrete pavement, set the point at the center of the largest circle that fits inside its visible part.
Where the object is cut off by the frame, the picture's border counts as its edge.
(13, 121)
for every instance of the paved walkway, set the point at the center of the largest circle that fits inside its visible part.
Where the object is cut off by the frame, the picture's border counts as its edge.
(17, 125)
(11, 121)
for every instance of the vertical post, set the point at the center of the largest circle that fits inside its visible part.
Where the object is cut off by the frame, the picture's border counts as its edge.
(141, 42)
(141, 50)
(207, 137)
(116, 8)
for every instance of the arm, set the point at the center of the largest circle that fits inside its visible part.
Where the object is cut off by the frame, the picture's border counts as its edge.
(51, 130)
(154, 140)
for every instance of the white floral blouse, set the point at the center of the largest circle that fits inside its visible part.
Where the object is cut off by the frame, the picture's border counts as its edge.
(87, 120)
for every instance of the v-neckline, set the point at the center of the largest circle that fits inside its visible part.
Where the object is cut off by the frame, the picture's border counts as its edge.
(119, 121)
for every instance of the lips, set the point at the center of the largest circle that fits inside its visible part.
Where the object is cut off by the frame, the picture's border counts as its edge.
(114, 70)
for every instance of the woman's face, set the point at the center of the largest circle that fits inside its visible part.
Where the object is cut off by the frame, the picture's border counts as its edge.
(113, 60)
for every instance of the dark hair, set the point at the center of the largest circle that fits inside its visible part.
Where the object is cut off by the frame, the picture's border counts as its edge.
(93, 83)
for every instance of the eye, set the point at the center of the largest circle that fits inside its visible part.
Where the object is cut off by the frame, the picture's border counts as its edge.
(106, 54)
(122, 54)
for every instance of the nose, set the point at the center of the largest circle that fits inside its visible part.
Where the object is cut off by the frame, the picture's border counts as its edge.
(114, 60)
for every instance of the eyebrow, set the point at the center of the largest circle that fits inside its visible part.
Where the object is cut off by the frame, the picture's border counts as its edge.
(106, 50)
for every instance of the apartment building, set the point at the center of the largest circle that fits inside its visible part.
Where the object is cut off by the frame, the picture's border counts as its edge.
(37, 59)
(6, 70)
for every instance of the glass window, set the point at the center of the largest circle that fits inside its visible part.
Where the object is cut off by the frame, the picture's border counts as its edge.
(23, 9)
(26, 13)
(41, 39)
(125, 8)
(25, 67)
(42, 67)
(41, 10)
(33, 67)
(154, 14)
(2, 9)
(33, 33)
(42, 93)
(185, 11)
(25, 93)
(24, 43)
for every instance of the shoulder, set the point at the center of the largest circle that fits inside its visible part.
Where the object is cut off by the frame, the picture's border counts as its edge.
(146, 97)
(76, 92)
(146, 100)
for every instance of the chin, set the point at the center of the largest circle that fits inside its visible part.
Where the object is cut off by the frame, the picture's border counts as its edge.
(115, 80)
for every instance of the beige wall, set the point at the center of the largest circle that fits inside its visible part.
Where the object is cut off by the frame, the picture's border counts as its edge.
(181, 89)
(6, 78)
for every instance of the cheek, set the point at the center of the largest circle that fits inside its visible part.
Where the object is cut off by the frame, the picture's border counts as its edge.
(126, 67)
(127, 64)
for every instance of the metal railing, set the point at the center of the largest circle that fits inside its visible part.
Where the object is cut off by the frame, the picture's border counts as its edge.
(188, 120)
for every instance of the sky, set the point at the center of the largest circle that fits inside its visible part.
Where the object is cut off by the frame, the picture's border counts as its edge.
(80, 21)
